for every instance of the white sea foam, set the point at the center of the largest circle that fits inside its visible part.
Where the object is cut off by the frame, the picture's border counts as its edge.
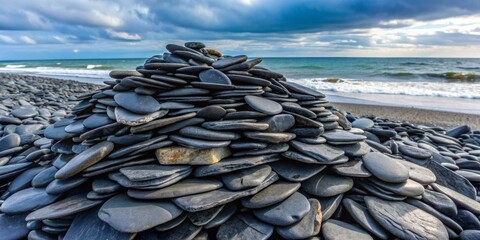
(437, 89)
(60, 72)
(15, 66)
(91, 66)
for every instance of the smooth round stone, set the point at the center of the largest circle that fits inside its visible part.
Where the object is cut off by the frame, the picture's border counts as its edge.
(467, 220)
(185, 187)
(105, 186)
(418, 173)
(295, 87)
(414, 152)
(353, 168)
(63, 208)
(363, 123)
(440, 202)
(285, 213)
(471, 175)
(56, 133)
(460, 200)
(202, 133)
(24, 112)
(385, 167)
(58, 186)
(136, 103)
(214, 76)
(263, 105)
(96, 120)
(270, 137)
(27, 200)
(361, 215)
(76, 127)
(340, 137)
(85, 159)
(87, 225)
(197, 143)
(324, 153)
(279, 122)
(126, 117)
(408, 188)
(129, 215)
(309, 226)
(244, 125)
(23, 180)
(327, 185)
(212, 113)
(470, 235)
(275, 193)
(405, 221)
(337, 230)
(44, 177)
(13, 226)
(228, 61)
(39, 235)
(9, 141)
(244, 227)
(296, 171)
(246, 178)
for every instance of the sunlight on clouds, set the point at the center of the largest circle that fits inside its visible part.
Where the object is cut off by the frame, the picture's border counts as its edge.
(7, 39)
(28, 40)
(123, 35)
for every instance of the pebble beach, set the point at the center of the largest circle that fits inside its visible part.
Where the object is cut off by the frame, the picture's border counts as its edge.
(196, 145)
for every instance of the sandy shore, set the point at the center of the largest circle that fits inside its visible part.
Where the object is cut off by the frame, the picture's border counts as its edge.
(413, 115)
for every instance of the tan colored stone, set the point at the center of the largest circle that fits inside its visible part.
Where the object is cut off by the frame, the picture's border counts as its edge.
(191, 156)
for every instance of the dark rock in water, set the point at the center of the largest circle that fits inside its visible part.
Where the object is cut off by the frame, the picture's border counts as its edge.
(404, 220)
(128, 215)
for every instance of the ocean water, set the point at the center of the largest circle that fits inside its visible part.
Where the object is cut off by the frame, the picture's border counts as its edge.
(433, 77)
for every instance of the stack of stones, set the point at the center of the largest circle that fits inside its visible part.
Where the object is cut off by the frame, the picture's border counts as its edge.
(196, 145)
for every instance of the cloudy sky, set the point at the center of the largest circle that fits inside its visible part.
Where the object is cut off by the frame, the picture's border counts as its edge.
(49, 29)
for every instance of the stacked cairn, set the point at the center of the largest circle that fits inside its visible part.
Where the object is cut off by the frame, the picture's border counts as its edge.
(196, 145)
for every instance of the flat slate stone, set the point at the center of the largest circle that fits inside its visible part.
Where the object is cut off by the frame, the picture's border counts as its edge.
(96, 120)
(361, 215)
(212, 113)
(151, 171)
(235, 125)
(59, 186)
(295, 87)
(246, 178)
(408, 188)
(330, 205)
(279, 122)
(324, 153)
(228, 61)
(85, 159)
(202, 133)
(448, 222)
(414, 152)
(63, 208)
(309, 226)
(296, 171)
(44, 177)
(27, 200)
(201, 218)
(244, 227)
(128, 215)
(285, 213)
(186, 230)
(214, 76)
(197, 143)
(172, 223)
(202, 201)
(341, 137)
(183, 155)
(450, 179)
(24, 112)
(327, 185)
(105, 186)
(270, 137)
(133, 102)
(459, 199)
(418, 173)
(162, 122)
(149, 184)
(233, 164)
(263, 105)
(385, 167)
(13, 226)
(405, 221)
(440, 202)
(470, 235)
(353, 168)
(128, 118)
(273, 194)
(185, 187)
(87, 225)
(228, 211)
(337, 230)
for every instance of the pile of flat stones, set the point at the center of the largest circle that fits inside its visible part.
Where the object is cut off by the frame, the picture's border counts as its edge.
(196, 145)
